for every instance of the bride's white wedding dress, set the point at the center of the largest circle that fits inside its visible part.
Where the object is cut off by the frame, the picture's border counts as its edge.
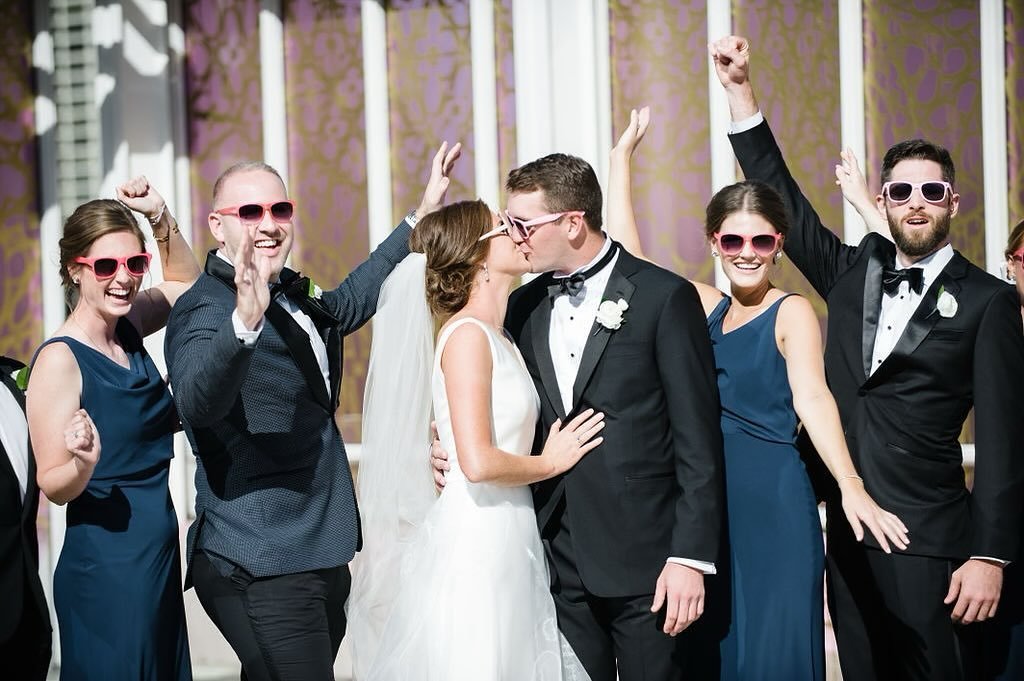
(473, 602)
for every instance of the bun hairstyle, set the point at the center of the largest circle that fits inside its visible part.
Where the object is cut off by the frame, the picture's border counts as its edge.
(449, 239)
(89, 222)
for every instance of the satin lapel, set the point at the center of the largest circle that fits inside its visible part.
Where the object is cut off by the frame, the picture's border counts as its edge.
(297, 340)
(618, 287)
(872, 308)
(540, 329)
(334, 363)
(926, 316)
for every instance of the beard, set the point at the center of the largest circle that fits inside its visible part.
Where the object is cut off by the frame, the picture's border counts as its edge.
(919, 243)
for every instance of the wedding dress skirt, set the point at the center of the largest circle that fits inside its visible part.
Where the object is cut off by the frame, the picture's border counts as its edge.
(473, 602)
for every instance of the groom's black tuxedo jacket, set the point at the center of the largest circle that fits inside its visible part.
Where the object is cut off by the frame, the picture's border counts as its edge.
(902, 422)
(19, 547)
(653, 489)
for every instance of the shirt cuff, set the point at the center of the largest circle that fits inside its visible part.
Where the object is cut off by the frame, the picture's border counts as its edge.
(701, 565)
(244, 335)
(1002, 563)
(746, 124)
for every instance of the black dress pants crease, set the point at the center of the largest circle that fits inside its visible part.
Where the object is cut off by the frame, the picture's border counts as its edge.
(284, 627)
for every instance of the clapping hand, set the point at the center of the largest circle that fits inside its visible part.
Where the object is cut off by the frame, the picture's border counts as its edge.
(634, 132)
(437, 185)
(82, 439)
(139, 195)
(252, 276)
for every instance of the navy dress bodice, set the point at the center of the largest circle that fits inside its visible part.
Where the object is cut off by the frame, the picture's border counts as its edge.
(117, 585)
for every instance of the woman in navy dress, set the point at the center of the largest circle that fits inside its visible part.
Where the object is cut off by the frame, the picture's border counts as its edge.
(769, 619)
(117, 586)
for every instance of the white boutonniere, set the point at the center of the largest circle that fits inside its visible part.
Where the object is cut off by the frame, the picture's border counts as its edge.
(610, 314)
(314, 291)
(946, 305)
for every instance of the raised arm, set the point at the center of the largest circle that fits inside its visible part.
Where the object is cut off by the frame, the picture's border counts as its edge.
(180, 268)
(354, 301)
(467, 364)
(799, 338)
(819, 254)
(855, 190)
(621, 219)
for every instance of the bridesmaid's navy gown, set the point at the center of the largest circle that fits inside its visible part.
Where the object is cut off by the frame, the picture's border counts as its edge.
(117, 586)
(776, 554)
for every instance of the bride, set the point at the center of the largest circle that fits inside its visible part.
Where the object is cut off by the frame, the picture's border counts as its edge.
(456, 588)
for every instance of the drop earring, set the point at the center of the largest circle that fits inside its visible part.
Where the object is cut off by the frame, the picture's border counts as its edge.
(487, 274)
(777, 257)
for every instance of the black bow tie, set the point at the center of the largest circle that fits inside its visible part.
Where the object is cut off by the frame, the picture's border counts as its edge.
(892, 277)
(573, 284)
(295, 287)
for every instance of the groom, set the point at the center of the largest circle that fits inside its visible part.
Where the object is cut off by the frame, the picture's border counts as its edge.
(631, 531)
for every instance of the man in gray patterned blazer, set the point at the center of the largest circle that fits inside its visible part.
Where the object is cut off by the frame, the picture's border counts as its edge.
(254, 354)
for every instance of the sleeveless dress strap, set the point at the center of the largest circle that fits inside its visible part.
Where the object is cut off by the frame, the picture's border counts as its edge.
(442, 340)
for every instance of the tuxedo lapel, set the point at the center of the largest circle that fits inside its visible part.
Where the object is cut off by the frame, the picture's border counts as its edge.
(540, 331)
(297, 340)
(5, 461)
(293, 335)
(926, 316)
(619, 287)
(334, 363)
(872, 308)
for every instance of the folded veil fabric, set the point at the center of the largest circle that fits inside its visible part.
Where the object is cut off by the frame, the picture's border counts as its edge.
(394, 484)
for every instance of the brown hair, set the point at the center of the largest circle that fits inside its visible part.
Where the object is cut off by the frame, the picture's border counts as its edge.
(568, 183)
(750, 196)
(1016, 239)
(918, 149)
(89, 222)
(449, 238)
(241, 167)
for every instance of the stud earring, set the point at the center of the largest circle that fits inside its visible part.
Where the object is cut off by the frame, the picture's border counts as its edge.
(777, 257)
(714, 253)
(74, 281)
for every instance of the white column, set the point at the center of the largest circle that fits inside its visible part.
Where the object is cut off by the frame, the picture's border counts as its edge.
(993, 131)
(378, 128)
(851, 101)
(563, 90)
(272, 87)
(485, 101)
(723, 161)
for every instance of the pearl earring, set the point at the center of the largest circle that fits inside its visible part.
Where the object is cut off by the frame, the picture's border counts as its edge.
(777, 257)
(74, 281)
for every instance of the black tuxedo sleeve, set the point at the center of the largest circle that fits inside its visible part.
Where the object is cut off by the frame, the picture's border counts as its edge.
(355, 299)
(999, 430)
(816, 251)
(206, 362)
(687, 370)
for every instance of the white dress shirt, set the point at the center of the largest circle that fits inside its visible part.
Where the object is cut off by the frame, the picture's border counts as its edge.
(897, 309)
(316, 342)
(572, 322)
(14, 436)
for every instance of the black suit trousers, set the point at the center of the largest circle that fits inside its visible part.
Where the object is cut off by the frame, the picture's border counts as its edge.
(609, 635)
(26, 653)
(283, 628)
(888, 613)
